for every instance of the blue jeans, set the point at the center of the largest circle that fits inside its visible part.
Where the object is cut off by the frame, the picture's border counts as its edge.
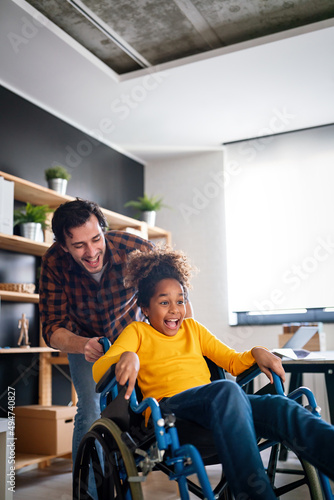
(88, 406)
(236, 419)
(88, 399)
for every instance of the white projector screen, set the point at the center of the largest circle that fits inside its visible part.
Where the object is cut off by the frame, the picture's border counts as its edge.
(280, 221)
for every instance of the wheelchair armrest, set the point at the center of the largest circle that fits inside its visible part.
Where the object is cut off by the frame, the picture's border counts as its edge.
(106, 379)
(248, 375)
(252, 372)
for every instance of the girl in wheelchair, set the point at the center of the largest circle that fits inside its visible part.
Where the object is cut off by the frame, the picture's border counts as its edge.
(165, 354)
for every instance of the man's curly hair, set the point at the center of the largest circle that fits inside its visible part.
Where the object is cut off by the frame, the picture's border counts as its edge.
(145, 269)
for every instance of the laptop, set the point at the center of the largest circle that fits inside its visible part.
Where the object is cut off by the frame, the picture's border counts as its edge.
(293, 348)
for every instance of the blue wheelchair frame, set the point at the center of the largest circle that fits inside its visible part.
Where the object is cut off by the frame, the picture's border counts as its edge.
(167, 436)
(312, 406)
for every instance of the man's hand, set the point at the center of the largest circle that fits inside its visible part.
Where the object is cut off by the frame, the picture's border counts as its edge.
(93, 350)
(126, 370)
(268, 361)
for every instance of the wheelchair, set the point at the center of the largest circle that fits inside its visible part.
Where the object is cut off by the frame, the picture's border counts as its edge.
(119, 450)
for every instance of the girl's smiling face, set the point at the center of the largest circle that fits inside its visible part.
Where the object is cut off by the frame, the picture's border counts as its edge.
(167, 307)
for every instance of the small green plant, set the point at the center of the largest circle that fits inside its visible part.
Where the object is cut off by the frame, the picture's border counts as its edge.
(146, 203)
(57, 172)
(32, 213)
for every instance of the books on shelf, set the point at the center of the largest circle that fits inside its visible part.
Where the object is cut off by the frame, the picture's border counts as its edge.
(6, 206)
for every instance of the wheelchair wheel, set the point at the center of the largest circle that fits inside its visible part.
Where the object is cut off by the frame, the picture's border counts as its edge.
(107, 463)
(307, 477)
(313, 481)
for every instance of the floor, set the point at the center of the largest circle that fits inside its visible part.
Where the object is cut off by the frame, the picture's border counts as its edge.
(54, 483)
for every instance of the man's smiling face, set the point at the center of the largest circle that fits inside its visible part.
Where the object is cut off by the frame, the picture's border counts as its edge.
(87, 245)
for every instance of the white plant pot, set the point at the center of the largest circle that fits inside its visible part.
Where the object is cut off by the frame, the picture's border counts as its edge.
(149, 217)
(32, 231)
(59, 185)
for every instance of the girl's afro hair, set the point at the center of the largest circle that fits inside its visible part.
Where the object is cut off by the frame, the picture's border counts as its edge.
(145, 269)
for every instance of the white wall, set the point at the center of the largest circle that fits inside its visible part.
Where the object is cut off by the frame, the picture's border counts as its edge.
(194, 186)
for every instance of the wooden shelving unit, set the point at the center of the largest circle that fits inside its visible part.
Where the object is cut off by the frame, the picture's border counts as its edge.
(22, 245)
(25, 350)
(31, 298)
(26, 191)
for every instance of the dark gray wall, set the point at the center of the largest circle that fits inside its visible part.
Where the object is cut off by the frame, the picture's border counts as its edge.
(32, 140)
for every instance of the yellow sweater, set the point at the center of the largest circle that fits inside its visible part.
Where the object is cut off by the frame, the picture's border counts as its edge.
(170, 365)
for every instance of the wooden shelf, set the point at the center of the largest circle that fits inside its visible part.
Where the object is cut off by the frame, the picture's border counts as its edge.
(119, 221)
(25, 350)
(27, 191)
(22, 245)
(157, 232)
(19, 297)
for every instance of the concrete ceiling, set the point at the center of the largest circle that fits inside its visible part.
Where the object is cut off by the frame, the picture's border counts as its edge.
(154, 77)
(160, 31)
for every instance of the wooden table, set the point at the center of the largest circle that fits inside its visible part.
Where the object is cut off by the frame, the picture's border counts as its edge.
(325, 365)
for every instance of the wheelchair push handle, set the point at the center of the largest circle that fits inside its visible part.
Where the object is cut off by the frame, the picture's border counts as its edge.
(278, 384)
(105, 343)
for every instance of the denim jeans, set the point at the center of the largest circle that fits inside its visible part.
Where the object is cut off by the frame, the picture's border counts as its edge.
(88, 399)
(236, 419)
(88, 405)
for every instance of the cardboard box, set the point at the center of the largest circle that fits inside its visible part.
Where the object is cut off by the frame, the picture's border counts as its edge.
(316, 343)
(44, 430)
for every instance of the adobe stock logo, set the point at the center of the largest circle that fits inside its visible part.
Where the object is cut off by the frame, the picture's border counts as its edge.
(277, 124)
(249, 150)
(121, 108)
(202, 197)
(297, 274)
(28, 30)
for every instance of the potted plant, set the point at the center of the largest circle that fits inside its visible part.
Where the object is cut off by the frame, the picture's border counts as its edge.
(32, 220)
(146, 207)
(57, 178)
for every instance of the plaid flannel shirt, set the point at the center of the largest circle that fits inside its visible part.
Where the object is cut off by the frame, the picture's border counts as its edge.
(70, 298)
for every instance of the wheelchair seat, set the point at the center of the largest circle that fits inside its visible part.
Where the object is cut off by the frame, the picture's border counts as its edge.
(119, 410)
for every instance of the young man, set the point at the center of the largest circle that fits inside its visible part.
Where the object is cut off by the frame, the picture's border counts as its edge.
(82, 296)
